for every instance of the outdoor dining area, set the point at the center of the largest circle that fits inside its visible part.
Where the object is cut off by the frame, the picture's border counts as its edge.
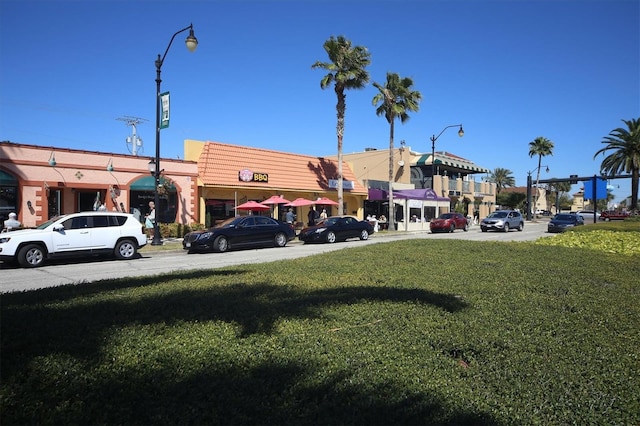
(278, 206)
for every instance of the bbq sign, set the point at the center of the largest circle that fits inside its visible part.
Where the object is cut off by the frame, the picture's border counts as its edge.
(246, 175)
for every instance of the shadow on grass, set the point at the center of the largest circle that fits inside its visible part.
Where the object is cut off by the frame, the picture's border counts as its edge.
(35, 325)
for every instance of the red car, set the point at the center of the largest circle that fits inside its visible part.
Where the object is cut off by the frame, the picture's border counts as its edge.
(614, 215)
(449, 222)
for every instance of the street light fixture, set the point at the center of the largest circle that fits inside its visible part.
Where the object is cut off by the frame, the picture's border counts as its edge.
(191, 43)
(433, 150)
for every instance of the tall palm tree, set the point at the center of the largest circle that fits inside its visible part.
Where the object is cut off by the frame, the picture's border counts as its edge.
(503, 178)
(541, 147)
(625, 144)
(346, 70)
(395, 100)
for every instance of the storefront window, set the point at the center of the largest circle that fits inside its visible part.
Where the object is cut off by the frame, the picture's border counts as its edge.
(8, 201)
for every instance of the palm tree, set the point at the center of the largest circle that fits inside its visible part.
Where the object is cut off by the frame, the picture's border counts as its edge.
(541, 147)
(625, 144)
(502, 178)
(346, 71)
(395, 100)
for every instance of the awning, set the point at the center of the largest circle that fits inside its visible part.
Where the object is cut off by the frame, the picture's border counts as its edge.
(7, 180)
(418, 194)
(377, 194)
(148, 183)
(425, 160)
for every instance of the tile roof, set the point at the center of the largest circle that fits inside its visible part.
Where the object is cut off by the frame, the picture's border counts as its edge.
(220, 163)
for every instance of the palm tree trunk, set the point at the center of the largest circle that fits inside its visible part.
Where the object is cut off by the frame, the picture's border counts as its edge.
(340, 107)
(535, 197)
(392, 215)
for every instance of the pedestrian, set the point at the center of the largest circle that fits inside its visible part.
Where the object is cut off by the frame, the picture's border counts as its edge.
(12, 222)
(289, 217)
(150, 220)
(323, 215)
(312, 216)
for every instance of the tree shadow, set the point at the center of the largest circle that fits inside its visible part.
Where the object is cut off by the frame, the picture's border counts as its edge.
(324, 170)
(37, 324)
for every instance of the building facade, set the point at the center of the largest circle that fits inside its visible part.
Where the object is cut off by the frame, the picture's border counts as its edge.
(230, 175)
(449, 183)
(38, 183)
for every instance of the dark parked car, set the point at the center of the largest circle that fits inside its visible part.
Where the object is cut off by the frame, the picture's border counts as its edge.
(240, 232)
(503, 220)
(563, 221)
(449, 222)
(336, 228)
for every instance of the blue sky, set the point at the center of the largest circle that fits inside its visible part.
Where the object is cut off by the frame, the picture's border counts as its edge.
(509, 71)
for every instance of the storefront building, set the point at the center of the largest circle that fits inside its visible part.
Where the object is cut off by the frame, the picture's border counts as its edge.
(231, 175)
(38, 183)
(423, 187)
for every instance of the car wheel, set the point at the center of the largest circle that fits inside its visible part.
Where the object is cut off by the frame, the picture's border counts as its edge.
(452, 227)
(280, 240)
(466, 227)
(483, 229)
(31, 256)
(506, 227)
(125, 249)
(331, 237)
(364, 235)
(520, 227)
(221, 244)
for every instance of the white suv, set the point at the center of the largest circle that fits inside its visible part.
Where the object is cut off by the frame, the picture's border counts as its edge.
(74, 235)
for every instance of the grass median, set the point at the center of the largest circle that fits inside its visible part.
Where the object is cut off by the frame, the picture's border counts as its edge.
(409, 332)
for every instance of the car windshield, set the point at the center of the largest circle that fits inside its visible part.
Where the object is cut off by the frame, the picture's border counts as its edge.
(447, 216)
(328, 221)
(232, 221)
(49, 222)
(498, 214)
(565, 217)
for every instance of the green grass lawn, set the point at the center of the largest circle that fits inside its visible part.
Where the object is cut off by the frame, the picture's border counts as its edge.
(411, 332)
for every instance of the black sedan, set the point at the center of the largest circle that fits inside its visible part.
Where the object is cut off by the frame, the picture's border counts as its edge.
(561, 222)
(336, 228)
(240, 232)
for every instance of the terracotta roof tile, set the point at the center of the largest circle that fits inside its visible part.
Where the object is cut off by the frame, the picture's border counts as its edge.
(219, 164)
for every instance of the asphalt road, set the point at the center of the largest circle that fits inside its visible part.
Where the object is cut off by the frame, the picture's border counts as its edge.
(14, 278)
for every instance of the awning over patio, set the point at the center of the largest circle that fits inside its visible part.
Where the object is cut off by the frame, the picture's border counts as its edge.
(409, 194)
(419, 194)
(425, 160)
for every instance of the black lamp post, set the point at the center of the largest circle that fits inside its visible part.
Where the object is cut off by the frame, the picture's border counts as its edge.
(529, 203)
(433, 151)
(192, 43)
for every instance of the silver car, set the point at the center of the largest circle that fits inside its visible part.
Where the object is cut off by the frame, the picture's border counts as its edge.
(503, 220)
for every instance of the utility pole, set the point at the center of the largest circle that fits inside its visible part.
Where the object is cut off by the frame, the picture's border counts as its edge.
(133, 140)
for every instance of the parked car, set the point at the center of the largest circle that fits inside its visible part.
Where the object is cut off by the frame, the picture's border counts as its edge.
(240, 232)
(614, 215)
(449, 222)
(563, 221)
(588, 214)
(336, 228)
(74, 235)
(502, 220)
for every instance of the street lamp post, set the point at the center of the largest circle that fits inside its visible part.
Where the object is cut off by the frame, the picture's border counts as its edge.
(191, 43)
(529, 203)
(433, 151)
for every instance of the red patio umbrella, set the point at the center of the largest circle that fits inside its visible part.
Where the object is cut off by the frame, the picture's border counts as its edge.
(324, 201)
(275, 199)
(252, 205)
(300, 202)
